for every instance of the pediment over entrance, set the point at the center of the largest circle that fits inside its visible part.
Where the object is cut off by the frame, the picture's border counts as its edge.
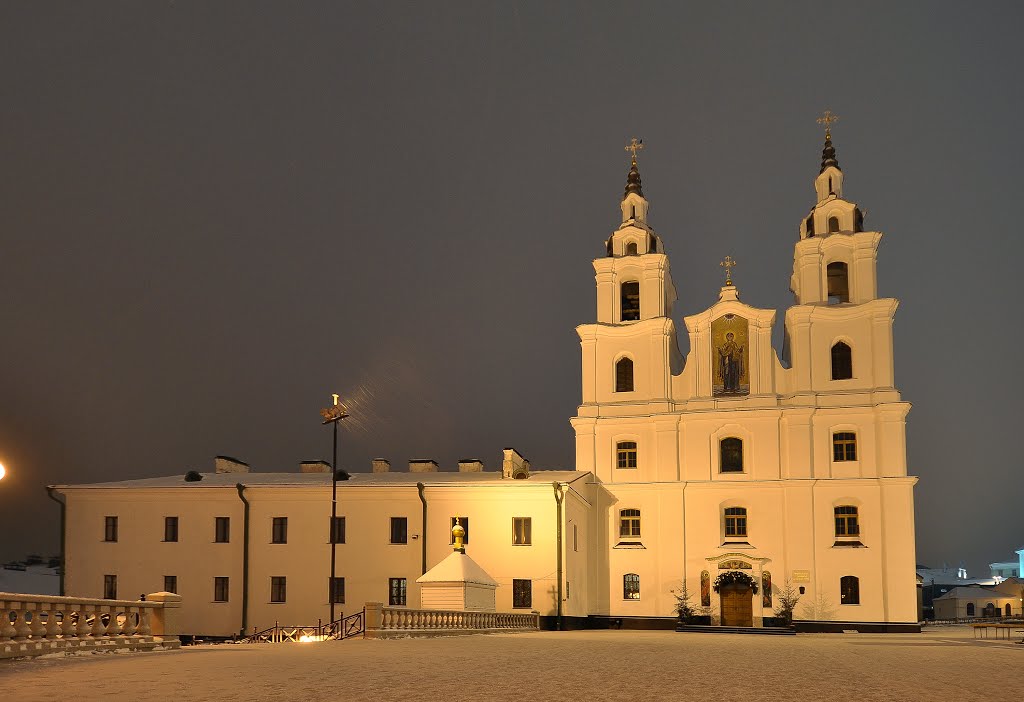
(737, 561)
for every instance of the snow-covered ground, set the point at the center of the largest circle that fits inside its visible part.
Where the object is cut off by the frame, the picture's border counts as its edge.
(943, 664)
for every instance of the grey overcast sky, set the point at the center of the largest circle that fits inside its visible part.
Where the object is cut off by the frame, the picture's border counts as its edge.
(212, 215)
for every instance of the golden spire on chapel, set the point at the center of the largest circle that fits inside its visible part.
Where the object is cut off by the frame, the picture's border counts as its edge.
(458, 536)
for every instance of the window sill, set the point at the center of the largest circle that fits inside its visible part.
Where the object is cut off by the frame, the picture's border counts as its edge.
(522, 544)
(848, 544)
(736, 544)
(630, 544)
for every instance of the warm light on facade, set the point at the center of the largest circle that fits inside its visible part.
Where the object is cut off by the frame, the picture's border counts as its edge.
(3, 471)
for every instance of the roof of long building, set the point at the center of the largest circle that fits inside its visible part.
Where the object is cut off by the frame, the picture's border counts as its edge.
(355, 479)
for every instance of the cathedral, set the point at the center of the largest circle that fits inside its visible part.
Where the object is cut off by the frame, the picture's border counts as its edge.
(732, 471)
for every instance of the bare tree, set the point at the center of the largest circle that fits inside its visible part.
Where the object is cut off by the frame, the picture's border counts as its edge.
(819, 609)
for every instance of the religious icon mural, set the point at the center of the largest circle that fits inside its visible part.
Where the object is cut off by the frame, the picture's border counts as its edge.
(730, 356)
(705, 589)
(766, 589)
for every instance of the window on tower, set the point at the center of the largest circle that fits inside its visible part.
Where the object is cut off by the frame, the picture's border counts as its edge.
(833, 225)
(630, 301)
(736, 523)
(631, 249)
(844, 446)
(838, 283)
(842, 361)
(731, 455)
(625, 454)
(624, 375)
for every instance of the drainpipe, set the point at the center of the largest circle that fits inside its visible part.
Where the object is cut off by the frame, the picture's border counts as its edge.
(52, 492)
(245, 558)
(423, 531)
(559, 496)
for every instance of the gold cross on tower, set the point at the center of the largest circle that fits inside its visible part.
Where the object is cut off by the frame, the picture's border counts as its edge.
(634, 146)
(828, 119)
(727, 264)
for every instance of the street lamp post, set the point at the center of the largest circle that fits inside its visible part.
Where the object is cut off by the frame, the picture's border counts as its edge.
(333, 415)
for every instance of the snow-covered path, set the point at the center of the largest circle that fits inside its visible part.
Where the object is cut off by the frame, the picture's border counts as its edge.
(945, 664)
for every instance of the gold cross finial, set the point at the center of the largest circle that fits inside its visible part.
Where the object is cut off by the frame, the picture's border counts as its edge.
(727, 264)
(634, 146)
(828, 119)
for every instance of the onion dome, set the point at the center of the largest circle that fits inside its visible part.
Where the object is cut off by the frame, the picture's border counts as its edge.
(828, 154)
(633, 182)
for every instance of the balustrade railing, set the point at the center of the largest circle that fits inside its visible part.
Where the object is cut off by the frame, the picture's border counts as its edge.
(31, 625)
(396, 620)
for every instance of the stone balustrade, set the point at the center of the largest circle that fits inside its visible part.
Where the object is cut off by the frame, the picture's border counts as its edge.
(33, 625)
(385, 622)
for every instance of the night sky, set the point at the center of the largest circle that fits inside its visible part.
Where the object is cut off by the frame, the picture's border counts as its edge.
(213, 215)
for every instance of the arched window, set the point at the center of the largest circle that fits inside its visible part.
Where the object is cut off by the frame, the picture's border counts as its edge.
(842, 361)
(625, 454)
(844, 446)
(631, 586)
(990, 610)
(735, 522)
(809, 225)
(631, 249)
(731, 455)
(847, 522)
(630, 301)
(970, 609)
(838, 282)
(849, 590)
(629, 523)
(833, 224)
(1009, 611)
(624, 375)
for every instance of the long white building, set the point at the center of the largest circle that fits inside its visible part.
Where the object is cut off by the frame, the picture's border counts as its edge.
(731, 469)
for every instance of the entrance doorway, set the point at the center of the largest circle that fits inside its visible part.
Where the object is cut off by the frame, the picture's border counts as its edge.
(737, 605)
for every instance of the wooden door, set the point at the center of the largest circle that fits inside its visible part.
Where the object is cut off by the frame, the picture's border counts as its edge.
(737, 606)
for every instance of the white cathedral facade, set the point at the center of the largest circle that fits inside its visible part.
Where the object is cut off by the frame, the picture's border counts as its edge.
(728, 469)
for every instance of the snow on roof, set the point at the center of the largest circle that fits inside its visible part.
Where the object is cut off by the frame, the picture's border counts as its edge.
(971, 592)
(355, 479)
(457, 568)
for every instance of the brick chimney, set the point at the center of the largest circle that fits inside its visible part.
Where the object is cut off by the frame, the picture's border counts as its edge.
(227, 464)
(381, 465)
(471, 465)
(314, 467)
(422, 465)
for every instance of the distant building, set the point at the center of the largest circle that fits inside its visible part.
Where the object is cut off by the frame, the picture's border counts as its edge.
(1009, 569)
(34, 575)
(1005, 599)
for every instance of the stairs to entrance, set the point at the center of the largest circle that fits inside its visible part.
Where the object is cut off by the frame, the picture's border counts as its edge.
(763, 631)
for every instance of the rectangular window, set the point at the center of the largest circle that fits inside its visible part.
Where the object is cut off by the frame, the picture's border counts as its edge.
(171, 583)
(222, 530)
(278, 588)
(736, 522)
(625, 454)
(396, 591)
(631, 586)
(338, 530)
(521, 528)
(110, 528)
(464, 521)
(575, 540)
(336, 590)
(846, 521)
(522, 593)
(629, 523)
(399, 530)
(170, 528)
(849, 590)
(220, 589)
(844, 446)
(110, 587)
(280, 531)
